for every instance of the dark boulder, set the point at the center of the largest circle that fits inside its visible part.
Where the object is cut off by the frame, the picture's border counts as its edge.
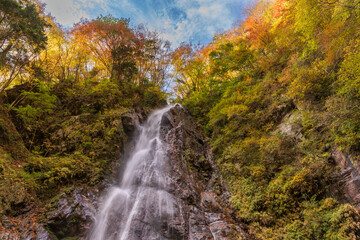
(71, 213)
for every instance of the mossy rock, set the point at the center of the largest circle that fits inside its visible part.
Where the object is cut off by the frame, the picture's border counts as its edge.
(10, 139)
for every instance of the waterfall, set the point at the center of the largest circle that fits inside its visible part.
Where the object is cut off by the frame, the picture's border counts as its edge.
(139, 207)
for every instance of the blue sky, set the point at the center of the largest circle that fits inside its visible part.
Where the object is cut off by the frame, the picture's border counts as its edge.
(176, 20)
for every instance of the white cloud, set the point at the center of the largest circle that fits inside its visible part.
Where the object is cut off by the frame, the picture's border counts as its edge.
(177, 21)
(204, 18)
(68, 12)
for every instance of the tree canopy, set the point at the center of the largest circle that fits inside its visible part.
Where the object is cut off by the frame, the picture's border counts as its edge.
(289, 63)
(22, 34)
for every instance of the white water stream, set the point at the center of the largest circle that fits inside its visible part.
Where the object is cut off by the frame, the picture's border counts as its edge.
(139, 203)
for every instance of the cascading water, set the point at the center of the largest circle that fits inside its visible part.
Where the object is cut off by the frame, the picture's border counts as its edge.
(140, 205)
(168, 187)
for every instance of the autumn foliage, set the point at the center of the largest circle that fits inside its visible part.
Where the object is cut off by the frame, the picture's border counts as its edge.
(276, 95)
(112, 44)
(63, 94)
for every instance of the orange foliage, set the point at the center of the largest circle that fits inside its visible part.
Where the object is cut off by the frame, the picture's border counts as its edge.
(280, 10)
(111, 43)
(257, 27)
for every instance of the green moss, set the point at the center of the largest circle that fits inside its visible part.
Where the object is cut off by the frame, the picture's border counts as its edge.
(13, 189)
(189, 161)
(70, 238)
(10, 139)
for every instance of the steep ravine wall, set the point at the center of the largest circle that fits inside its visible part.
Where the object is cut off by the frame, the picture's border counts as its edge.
(196, 179)
(346, 188)
(70, 213)
(196, 183)
(194, 191)
(171, 188)
(349, 171)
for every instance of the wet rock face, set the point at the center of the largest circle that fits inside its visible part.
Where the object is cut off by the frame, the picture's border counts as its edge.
(349, 177)
(192, 202)
(20, 230)
(196, 185)
(131, 120)
(170, 188)
(71, 213)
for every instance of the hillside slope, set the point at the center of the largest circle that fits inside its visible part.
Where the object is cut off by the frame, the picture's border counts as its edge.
(278, 95)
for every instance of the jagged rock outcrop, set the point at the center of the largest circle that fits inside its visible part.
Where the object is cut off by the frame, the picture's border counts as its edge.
(36, 231)
(291, 126)
(349, 177)
(72, 212)
(196, 182)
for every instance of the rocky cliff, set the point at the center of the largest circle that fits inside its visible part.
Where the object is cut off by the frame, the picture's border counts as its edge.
(70, 210)
(196, 182)
(170, 188)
